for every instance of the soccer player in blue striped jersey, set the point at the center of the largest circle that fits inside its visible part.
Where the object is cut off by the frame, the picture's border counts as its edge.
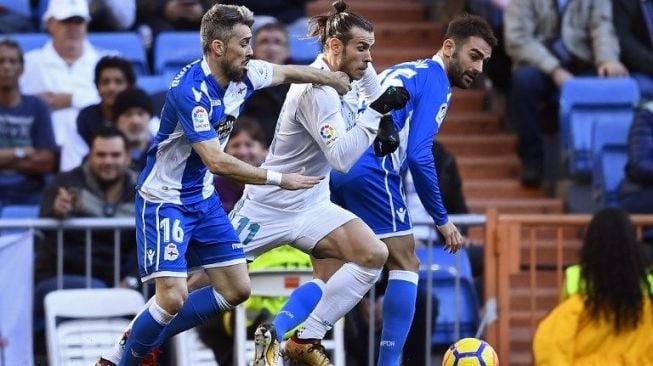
(180, 222)
(372, 188)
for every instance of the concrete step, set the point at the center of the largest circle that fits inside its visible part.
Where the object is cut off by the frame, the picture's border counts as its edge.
(488, 167)
(375, 11)
(471, 123)
(479, 145)
(523, 205)
(499, 188)
(470, 100)
(396, 36)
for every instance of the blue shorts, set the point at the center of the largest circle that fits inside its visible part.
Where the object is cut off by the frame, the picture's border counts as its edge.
(375, 195)
(171, 239)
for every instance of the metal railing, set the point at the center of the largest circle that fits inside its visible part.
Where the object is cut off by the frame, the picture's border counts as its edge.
(87, 225)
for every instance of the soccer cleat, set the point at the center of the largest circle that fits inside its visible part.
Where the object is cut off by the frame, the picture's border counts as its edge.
(151, 359)
(266, 346)
(308, 352)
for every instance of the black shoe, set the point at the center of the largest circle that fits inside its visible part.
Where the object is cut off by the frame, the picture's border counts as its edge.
(531, 177)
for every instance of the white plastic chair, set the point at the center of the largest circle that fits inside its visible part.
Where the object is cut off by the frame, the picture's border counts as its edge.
(280, 283)
(93, 320)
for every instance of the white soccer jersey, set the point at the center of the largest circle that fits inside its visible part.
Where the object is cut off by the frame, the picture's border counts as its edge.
(197, 109)
(318, 130)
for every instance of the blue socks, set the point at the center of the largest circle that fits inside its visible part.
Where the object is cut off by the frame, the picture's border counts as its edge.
(299, 306)
(200, 305)
(398, 313)
(144, 334)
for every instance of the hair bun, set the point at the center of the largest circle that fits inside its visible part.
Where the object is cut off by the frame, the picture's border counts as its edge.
(340, 6)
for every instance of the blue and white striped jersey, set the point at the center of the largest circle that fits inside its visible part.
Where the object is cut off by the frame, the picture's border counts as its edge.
(418, 123)
(196, 109)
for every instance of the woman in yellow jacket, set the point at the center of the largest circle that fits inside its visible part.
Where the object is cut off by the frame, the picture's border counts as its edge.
(606, 316)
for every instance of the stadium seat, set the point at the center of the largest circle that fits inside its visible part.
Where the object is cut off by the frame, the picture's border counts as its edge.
(126, 44)
(583, 101)
(457, 298)
(606, 132)
(173, 50)
(153, 84)
(19, 212)
(21, 7)
(28, 41)
(610, 172)
(303, 50)
(82, 324)
(281, 283)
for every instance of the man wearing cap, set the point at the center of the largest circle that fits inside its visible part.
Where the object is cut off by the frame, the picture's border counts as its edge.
(133, 117)
(61, 72)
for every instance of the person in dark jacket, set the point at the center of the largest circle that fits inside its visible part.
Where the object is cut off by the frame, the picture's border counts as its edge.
(636, 40)
(636, 190)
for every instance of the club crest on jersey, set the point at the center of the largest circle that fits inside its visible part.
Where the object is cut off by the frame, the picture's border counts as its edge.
(328, 134)
(441, 114)
(171, 253)
(200, 119)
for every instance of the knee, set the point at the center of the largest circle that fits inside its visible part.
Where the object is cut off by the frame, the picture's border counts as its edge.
(404, 262)
(236, 294)
(171, 299)
(376, 255)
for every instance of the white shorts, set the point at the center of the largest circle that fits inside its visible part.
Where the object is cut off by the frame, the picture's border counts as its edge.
(262, 228)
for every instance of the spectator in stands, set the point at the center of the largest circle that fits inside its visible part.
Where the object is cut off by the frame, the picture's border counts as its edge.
(101, 187)
(636, 190)
(270, 43)
(247, 143)
(132, 113)
(62, 71)
(286, 11)
(112, 15)
(113, 74)
(171, 15)
(549, 45)
(27, 146)
(633, 20)
(606, 316)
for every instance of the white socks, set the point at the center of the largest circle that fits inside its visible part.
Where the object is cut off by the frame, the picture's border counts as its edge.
(342, 292)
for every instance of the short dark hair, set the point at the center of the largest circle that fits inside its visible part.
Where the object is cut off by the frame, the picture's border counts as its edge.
(337, 24)
(108, 132)
(7, 42)
(467, 25)
(218, 23)
(250, 126)
(115, 62)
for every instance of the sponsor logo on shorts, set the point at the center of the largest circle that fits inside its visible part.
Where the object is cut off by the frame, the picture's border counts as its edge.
(328, 134)
(237, 246)
(387, 343)
(200, 119)
(401, 213)
(171, 253)
(150, 256)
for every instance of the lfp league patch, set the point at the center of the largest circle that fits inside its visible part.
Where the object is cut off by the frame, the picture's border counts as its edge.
(200, 119)
(328, 134)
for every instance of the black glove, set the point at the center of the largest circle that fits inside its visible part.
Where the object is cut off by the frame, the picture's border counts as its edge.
(387, 139)
(391, 99)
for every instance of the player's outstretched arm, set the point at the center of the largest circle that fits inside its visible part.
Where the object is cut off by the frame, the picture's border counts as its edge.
(219, 162)
(283, 74)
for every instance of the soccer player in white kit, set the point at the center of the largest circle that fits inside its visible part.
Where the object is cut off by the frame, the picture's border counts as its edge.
(317, 130)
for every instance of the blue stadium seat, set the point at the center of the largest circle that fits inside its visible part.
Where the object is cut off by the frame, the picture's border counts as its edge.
(126, 44)
(28, 41)
(153, 84)
(21, 7)
(303, 50)
(461, 304)
(173, 50)
(583, 101)
(606, 131)
(610, 172)
(19, 212)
